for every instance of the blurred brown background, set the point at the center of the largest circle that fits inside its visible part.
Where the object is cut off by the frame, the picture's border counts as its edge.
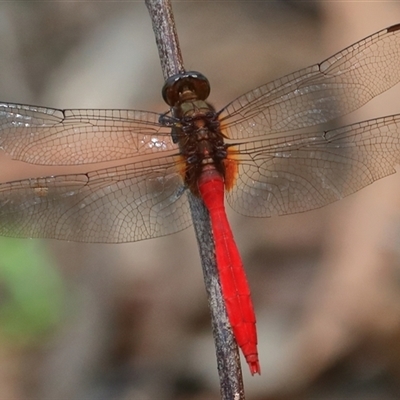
(134, 319)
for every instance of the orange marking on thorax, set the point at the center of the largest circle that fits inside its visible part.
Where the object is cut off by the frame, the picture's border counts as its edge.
(231, 170)
(181, 165)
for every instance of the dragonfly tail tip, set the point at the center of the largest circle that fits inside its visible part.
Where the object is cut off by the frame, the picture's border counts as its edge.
(254, 367)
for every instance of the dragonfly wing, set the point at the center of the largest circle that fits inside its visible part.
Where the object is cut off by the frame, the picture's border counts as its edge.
(114, 205)
(320, 93)
(288, 174)
(47, 136)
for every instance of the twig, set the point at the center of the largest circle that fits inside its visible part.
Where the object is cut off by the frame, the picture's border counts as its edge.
(228, 360)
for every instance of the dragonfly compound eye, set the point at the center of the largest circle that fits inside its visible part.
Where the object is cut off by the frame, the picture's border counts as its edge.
(192, 81)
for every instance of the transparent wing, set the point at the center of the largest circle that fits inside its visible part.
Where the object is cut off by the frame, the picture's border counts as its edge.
(287, 174)
(114, 205)
(47, 136)
(319, 93)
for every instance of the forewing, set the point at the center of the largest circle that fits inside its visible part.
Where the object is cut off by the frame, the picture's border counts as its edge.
(319, 93)
(114, 205)
(47, 136)
(288, 174)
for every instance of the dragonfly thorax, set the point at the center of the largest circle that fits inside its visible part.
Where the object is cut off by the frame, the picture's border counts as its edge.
(200, 140)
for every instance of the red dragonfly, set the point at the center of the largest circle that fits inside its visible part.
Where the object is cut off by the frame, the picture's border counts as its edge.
(258, 151)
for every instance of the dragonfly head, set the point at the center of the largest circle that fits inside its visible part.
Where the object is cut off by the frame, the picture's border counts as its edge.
(178, 87)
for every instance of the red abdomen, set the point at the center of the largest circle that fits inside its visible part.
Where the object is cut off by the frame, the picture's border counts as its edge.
(235, 288)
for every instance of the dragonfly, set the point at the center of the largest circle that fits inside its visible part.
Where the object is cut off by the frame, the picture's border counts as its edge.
(263, 152)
